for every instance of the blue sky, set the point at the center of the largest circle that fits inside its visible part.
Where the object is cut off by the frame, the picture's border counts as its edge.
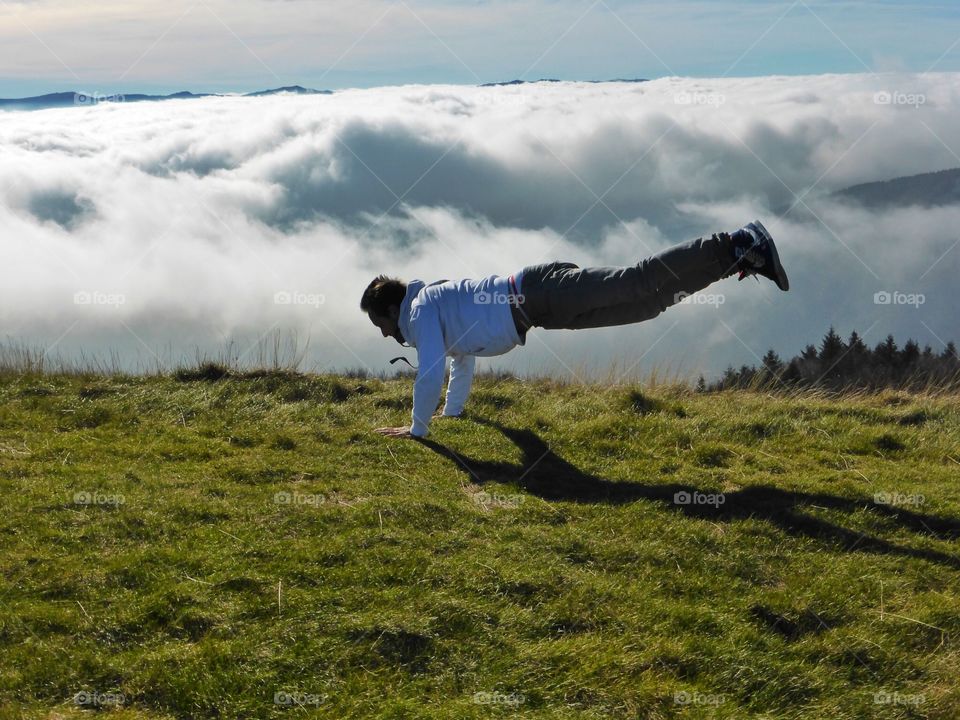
(241, 45)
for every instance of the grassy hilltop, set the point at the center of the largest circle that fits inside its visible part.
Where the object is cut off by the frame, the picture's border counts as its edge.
(194, 546)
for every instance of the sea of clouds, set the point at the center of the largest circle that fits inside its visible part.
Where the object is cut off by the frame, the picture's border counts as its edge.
(157, 230)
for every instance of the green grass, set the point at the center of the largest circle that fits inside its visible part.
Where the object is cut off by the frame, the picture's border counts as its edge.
(250, 535)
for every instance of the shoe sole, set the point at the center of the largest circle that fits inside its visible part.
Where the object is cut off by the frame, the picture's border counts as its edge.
(779, 273)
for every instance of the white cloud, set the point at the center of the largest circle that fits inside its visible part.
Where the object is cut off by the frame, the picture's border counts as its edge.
(196, 213)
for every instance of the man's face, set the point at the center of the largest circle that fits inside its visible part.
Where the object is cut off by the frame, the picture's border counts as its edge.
(388, 326)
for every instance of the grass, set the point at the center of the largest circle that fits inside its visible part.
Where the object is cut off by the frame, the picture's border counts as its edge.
(240, 544)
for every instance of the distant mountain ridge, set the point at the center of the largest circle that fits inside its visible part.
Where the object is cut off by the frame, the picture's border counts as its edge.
(556, 80)
(80, 99)
(295, 89)
(926, 190)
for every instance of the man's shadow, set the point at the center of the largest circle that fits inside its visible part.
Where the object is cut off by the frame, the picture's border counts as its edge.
(543, 473)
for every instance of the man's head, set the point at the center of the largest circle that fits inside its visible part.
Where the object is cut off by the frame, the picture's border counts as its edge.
(381, 302)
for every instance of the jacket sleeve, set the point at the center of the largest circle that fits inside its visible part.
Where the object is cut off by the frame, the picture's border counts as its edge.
(461, 378)
(431, 366)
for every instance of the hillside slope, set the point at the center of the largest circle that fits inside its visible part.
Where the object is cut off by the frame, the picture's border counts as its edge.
(240, 548)
(925, 190)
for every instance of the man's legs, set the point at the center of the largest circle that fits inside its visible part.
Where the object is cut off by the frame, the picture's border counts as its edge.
(562, 295)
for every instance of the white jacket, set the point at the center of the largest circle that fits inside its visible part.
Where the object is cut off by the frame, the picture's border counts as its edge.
(459, 318)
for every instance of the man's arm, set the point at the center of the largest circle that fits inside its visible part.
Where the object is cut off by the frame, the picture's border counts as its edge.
(431, 366)
(461, 379)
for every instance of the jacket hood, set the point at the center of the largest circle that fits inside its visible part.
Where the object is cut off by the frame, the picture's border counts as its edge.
(413, 289)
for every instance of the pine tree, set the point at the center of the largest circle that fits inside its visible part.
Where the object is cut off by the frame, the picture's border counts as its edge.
(832, 347)
(772, 361)
(772, 367)
(856, 344)
(831, 352)
(910, 353)
(729, 378)
(886, 357)
(886, 352)
(855, 365)
(792, 374)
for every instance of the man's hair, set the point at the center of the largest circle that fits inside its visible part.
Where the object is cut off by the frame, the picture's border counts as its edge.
(381, 293)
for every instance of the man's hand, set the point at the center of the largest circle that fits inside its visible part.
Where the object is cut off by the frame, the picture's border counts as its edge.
(400, 432)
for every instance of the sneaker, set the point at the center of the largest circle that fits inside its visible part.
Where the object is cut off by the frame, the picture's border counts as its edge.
(756, 254)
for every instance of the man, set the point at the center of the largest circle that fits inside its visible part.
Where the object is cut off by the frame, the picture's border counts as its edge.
(466, 318)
